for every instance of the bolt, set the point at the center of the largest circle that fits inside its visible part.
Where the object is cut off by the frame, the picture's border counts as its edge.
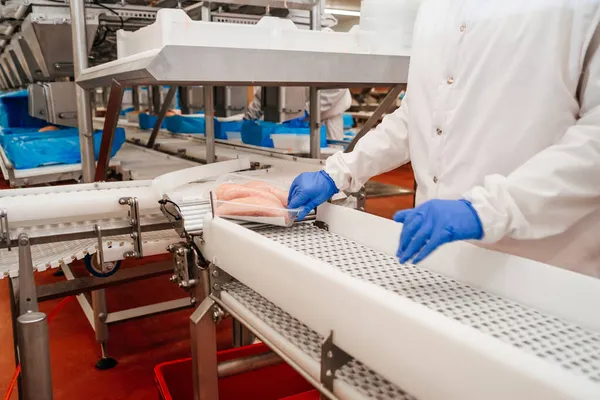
(328, 372)
(330, 354)
(180, 284)
(193, 301)
(170, 248)
(215, 273)
(173, 278)
(217, 287)
(24, 241)
(123, 201)
(180, 252)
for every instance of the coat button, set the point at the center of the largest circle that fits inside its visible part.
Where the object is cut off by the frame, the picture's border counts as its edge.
(438, 131)
(450, 80)
(435, 179)
(463, 27)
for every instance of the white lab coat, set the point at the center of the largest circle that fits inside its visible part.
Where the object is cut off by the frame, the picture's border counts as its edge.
(503, 109)
(333, 104)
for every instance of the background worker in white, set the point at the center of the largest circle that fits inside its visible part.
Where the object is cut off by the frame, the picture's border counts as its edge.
(502, 118)
(334, 102)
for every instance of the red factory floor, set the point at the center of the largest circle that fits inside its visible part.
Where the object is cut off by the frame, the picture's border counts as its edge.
(137, 345)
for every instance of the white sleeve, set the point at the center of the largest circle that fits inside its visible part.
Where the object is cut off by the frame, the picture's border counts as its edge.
(558, 186)
(381, 150)
(255, 106)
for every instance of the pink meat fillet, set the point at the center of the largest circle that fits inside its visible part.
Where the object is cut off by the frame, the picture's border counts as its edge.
(232, 191)
(281, 195)
(252, 207)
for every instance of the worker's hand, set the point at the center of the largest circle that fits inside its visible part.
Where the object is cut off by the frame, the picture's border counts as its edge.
(434, 223)
(309, 190)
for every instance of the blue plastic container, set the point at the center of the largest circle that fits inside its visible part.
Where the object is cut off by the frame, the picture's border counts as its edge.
(147, 121)
(181, 124)
(126, 110)
(222, 128)
(258, 133)
(196, 125)
(36, 149)
(14, 111)
(348, 121)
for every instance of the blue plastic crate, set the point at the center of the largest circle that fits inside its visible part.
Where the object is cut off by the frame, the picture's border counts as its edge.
(348, 121)
(180, 124)
(222, 128)
(35, 149)
(147, 121)
(196, 125)
(14, 111)
(257, 133)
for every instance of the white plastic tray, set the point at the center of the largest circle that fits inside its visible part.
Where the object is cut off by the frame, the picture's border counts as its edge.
(286, 219)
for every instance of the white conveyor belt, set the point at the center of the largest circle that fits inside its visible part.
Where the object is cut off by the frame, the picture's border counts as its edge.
(467, 323)
(38, 206)
(53, 255)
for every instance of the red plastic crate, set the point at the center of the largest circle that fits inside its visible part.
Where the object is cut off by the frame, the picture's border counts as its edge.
(174, 379)
(310, 395)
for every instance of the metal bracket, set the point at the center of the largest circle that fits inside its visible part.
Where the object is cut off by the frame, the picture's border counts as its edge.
(184, 258)
(332, 359)
(136, 226)
(218, 278)
(321, 225)
(100, 251)
(4, 230)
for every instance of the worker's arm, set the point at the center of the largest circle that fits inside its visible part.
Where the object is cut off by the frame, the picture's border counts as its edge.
(381, 150)
(255, 106)
(557, 187)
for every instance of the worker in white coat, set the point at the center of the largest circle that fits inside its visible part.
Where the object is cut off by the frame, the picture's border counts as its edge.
(333, 104)
(501, 122)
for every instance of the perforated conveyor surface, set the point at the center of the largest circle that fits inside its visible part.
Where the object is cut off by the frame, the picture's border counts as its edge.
(366, 382)
(554, 340)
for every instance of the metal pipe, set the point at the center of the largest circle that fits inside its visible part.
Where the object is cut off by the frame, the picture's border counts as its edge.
(135, 98)
(315, 123)
(315, 98)
(161, 116)
(184, 99)
(84, 110)
(155, 109)
(111, 119)
(209, 121)
(34, 354)
(247, 364)
(241, 335)
(203, 338)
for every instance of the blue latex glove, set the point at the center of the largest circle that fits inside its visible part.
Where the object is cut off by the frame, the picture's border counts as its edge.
(434, 223)
(309, 190)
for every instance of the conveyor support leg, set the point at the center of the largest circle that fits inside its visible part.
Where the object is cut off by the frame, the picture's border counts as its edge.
(32, 332)
(204, 351)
